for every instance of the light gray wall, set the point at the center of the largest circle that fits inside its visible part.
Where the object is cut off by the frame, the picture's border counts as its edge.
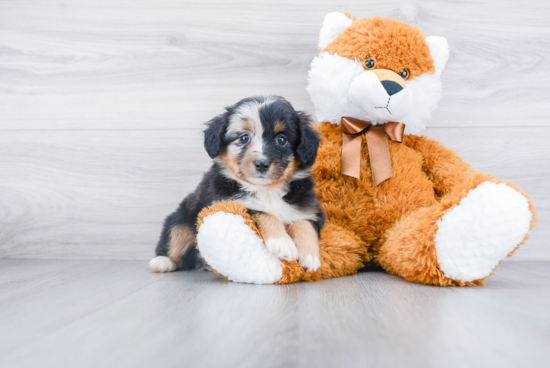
(101, 104)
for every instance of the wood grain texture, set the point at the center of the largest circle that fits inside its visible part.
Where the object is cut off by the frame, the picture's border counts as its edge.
(101, 104)
(104, 194)
(168, 64)
(65, 316)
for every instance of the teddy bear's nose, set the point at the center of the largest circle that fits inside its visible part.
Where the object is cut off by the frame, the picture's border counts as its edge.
(391, 87)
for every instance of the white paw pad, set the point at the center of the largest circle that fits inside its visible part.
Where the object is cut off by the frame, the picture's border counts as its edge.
(284, 248)
(162, 264)
(474, 236)
(309, 262)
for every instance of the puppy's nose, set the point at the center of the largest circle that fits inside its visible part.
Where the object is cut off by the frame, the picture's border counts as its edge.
(391, 87)
(262, 165)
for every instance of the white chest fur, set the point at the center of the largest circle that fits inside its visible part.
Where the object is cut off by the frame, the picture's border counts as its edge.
(270, 200)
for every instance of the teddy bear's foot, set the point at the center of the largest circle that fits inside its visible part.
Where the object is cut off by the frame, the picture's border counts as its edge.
(461, 240)
(233, 249)
(474, 236)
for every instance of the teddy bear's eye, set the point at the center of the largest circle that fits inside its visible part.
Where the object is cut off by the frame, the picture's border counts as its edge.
(370, 63)
(404, 74)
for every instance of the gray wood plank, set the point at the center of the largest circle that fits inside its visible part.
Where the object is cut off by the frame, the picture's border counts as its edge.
(104, 194)
(34, 304)
(169, 64)
(16, 272)
(198, 319)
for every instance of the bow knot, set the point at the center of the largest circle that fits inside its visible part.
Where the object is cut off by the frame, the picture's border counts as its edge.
(377, 143)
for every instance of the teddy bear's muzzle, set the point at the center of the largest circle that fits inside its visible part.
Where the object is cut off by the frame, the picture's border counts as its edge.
(382, 94)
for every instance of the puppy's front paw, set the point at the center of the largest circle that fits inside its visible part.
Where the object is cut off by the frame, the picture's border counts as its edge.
(284, 248)
(309, 262)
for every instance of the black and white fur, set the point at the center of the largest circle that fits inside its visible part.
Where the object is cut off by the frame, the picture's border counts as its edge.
(263, 150)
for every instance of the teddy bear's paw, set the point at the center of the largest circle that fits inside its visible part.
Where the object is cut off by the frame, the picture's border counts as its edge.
(162, 264)
(283, 248)
(474, 236)
(309, 262)
(232, 248)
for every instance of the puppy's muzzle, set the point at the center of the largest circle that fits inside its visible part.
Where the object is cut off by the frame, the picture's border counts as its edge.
(262, 165)
(382, 94)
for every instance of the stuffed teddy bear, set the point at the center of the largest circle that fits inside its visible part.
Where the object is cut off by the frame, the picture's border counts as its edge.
(392, 198)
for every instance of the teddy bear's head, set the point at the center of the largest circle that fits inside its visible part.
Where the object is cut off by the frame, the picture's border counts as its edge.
(376, 69)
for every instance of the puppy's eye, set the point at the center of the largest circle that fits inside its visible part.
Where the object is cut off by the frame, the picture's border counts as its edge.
(370, 63)
(281, 140)
(404, 74)
(244, 139)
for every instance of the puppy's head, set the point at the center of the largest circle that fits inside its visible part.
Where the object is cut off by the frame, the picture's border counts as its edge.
(262, 140)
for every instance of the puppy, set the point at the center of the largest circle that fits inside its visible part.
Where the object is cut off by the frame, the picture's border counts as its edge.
(263, 150)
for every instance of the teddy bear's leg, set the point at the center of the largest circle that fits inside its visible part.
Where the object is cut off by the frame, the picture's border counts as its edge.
(461, 240)
(230, 242)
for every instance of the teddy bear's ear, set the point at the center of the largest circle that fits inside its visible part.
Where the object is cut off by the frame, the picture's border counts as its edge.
(334, 24)
(439, 49)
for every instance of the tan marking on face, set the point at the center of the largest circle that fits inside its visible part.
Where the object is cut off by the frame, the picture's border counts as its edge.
(279, 127)
(288, 172)
(182, 238)
(269, 226)
(231, 163)
(247, 125)
(276, 174)
(240, 127)
(388, 75)
(247, 166)
(305, 237)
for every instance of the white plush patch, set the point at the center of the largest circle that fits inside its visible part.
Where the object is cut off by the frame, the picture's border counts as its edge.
(283, 248)
(474, 236)
(426, 91)
(367, 92)
(333, 24)
(162, 264)
(439, 50)
(231, 247)
(331, 77)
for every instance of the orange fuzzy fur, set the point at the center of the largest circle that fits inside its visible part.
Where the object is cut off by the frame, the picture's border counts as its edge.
(394, 45)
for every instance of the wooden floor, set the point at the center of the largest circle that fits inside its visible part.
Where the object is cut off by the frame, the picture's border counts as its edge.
(86, 313)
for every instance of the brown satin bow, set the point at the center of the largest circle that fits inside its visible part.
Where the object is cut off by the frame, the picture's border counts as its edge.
(377, 143)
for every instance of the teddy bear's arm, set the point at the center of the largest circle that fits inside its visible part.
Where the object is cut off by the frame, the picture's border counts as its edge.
(444, 167)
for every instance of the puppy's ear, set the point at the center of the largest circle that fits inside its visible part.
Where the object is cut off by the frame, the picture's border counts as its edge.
(214, 133)
(309, 141)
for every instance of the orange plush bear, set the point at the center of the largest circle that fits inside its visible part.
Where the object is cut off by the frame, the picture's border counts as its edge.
(392, 198)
